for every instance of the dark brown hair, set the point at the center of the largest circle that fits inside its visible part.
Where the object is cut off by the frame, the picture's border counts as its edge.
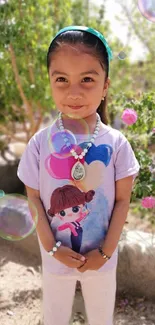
(97, 49)
(66, 197)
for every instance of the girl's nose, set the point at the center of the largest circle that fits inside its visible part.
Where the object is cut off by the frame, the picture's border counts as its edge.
(74, 93)
(74, 96)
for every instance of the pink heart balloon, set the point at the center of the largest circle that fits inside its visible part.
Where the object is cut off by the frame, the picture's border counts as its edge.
(60, 168)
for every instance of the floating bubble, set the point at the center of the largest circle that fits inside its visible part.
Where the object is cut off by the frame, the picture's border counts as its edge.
(62, 140)
(16, 220)
(77, 125)
(122, 55)
(147, 9)
(2, 193)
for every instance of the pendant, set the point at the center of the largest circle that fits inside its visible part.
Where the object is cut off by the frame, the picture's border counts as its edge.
(78, 171)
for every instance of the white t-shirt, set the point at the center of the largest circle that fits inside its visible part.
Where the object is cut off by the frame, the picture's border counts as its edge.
(78, 212)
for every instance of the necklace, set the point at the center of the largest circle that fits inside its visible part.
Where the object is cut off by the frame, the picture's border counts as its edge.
(78, 170)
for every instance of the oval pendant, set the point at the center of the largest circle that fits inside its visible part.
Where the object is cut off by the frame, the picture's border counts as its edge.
(78, 171)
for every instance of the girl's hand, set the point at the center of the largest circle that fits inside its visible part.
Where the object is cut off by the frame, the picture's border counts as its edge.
(94, 261)
(68, 257)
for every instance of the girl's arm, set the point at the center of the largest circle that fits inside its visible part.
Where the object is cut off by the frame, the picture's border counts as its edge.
(123, 189)
(43, 228)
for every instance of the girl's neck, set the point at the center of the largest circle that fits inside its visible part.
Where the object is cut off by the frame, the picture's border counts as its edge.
(80, 126)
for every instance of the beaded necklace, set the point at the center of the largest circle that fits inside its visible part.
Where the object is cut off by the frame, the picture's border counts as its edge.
(78, 171)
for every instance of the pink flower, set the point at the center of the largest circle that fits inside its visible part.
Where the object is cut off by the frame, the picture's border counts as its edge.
(148, 202)
(129, 116)
(153, 130)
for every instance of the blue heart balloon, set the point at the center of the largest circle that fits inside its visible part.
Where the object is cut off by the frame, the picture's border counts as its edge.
(102, 153)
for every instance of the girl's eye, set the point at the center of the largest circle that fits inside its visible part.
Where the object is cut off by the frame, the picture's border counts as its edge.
(62, 213)
(88, 78)
(60, 78)
(75, 209)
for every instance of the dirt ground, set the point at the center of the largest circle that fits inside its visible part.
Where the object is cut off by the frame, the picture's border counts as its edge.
(21, 291)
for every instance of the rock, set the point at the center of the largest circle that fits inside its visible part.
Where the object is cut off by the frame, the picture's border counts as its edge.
(17, 148)
(31, 269)
(10, 313)
(136, 264)
(10, 183)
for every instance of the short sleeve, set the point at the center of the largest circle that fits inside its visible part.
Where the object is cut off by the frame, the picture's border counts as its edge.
(28, 168)
(126, 163)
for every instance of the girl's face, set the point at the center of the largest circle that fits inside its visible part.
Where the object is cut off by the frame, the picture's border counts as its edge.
(77, 79)
(72, 214)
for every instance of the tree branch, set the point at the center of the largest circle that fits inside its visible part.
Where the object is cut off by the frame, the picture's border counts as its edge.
(19, 86)
(8, 133)
(136, 30)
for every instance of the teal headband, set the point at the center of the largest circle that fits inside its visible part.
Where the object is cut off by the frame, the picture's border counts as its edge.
(89, 30)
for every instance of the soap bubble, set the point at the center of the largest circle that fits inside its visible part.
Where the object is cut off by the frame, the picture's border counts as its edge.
(16, 220)
(2, 193)
(61, 141)
(147, 9)
(122, 55)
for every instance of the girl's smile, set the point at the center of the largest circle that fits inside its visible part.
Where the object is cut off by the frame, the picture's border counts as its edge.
(75, 107)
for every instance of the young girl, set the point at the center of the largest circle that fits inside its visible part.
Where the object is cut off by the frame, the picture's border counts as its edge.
(79, 173)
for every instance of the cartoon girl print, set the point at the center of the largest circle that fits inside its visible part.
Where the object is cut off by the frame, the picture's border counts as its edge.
(68, 204)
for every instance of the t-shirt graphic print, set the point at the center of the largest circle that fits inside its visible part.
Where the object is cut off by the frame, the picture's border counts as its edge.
(76, 210)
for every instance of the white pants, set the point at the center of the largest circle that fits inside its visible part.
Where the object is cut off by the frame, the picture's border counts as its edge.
(99, 293)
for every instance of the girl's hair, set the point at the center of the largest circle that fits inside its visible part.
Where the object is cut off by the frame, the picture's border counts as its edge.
(66, 197)
(98, 50)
